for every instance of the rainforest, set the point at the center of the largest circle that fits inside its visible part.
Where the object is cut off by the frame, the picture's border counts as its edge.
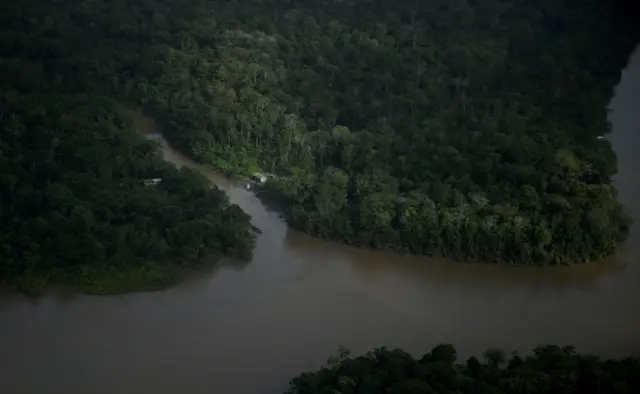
(464, 129)
(548, 370)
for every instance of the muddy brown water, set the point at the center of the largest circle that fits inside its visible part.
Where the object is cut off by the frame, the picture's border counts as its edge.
(248, 329)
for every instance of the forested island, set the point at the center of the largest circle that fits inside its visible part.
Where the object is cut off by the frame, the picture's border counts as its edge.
(463, 129)
(549, 370)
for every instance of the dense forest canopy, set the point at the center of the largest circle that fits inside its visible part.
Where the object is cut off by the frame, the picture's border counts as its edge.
(549, 370)
(74, 208)
(467, 129)
(463, 128)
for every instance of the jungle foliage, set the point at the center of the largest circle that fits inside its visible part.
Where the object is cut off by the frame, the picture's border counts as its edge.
(74, 208)
(548, 370)
(466, 129)
(460, 128)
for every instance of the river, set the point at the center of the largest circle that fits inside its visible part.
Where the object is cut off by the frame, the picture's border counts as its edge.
(248, 329)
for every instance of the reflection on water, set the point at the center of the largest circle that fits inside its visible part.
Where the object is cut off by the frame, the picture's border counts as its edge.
(247, 329)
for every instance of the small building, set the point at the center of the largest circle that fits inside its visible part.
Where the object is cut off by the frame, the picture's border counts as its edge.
(152, 181)
(259, 177)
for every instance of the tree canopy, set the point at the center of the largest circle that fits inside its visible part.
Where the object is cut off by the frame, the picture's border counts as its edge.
(549, 370)
(74, 208)
(464, 129)
(460, 128)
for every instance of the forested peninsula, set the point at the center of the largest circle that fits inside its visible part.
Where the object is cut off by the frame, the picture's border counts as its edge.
(467, 129)
(549, 370)
(463, 129)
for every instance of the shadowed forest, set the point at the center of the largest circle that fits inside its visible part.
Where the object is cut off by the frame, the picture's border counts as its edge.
(549, 370)
(465, 129)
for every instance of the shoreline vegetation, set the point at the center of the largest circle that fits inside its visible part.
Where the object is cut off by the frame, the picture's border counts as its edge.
(78, 210)
(548, 370)
(99, 279)
(439, 128)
